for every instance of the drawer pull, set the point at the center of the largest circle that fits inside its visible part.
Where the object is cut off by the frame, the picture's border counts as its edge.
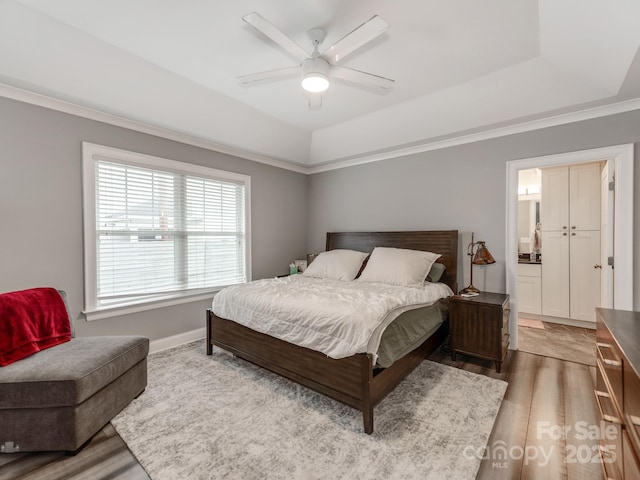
(606, 361)
(613, 363)
(606, 417)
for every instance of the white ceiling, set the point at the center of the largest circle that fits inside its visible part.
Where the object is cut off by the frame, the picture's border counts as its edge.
(460, 66)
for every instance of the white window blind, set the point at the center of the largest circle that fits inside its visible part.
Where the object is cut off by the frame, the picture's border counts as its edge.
(161, 231)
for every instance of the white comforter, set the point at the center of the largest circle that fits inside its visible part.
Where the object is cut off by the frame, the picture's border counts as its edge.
(334, 317)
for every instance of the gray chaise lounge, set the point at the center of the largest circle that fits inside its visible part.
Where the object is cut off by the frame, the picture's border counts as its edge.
(58, 398)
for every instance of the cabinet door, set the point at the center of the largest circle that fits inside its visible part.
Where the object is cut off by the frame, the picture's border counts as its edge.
(529, 295)
(555, 274)
(584, 289)
(584, 197)
(554, 204)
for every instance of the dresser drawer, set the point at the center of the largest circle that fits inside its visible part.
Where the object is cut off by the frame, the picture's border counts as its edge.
(611, 463)
(601, 385)
(611, 443)
(608, 411)
(632, 406)
(631, 461)
(609, 361)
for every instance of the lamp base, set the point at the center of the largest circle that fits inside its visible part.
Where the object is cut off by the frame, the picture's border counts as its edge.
(470, 289)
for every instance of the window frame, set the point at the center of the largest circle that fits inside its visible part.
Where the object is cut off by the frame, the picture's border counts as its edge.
(92, 152)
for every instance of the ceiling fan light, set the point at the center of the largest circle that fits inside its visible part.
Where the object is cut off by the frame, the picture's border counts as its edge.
(315, 82)
(315, 75)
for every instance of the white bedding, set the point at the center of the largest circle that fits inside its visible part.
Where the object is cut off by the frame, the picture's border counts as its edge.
(334, 317)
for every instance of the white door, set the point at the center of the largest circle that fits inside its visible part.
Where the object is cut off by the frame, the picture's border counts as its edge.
(584, 291)
(555, 273)
(606, 235)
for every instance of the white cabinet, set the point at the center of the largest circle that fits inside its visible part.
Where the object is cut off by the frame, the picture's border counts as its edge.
(570, 217)
(584, 263)
(554, 207)
(555, 273)
(584, 197)
(529, 288)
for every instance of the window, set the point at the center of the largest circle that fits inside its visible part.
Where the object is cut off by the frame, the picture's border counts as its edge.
(159, 230)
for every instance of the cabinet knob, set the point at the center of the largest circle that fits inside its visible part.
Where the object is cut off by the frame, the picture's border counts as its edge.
(573, 227)
(564, 227)
(564, 234)
(597, 266)
(574, 234)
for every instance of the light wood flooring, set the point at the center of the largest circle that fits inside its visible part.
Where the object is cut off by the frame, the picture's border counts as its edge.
(544, 394)
(105, 457)
(575, 344)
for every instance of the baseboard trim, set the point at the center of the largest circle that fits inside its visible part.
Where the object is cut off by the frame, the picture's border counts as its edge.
(176, 340)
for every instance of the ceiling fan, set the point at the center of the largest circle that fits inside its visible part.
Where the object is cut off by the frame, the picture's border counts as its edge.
(317, 68)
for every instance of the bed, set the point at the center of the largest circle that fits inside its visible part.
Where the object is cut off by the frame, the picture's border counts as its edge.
(354, 380)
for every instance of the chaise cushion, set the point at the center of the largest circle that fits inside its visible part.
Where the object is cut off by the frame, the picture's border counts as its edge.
(69, 373)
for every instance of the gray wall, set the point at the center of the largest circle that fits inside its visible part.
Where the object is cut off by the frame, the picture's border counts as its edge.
(462, 187)
(41, 236)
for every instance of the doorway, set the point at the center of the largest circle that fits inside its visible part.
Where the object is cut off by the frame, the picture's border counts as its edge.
(622, 158)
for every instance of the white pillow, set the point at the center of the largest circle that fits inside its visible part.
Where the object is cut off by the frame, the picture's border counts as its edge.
(337, 264)
(398, 266)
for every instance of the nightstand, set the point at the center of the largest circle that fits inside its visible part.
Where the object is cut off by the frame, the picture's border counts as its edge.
(479, 326)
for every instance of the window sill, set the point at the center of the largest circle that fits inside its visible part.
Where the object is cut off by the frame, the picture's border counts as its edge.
(108, 312)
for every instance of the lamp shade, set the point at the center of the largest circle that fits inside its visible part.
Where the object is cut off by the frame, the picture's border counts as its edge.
(482, 255)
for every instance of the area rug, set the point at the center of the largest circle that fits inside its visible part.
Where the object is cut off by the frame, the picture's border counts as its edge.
(209, 417)
(573, 344)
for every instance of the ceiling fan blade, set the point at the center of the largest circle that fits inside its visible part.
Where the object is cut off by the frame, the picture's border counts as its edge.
(263, 26)
(375, 82)
(355, 39)
(315, 101)
(269, 75)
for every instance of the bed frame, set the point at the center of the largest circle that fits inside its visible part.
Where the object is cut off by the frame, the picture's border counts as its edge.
(351, 380)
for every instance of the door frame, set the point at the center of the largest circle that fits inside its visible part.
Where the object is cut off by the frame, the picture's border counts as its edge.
(607, 236)
(622, 156)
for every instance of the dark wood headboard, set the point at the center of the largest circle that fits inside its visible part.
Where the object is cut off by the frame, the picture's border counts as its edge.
(444, 242)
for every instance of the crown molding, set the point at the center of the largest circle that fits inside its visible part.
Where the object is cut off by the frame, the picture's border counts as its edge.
(426, 146)
(554, 121)
(51, 103)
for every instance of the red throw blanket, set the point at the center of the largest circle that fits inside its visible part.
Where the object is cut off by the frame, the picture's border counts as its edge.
(30, 321)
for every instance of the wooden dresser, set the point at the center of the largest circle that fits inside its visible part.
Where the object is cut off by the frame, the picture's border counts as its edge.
(618, 391)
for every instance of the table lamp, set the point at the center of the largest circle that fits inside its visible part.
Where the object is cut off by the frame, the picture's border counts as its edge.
(479, 255)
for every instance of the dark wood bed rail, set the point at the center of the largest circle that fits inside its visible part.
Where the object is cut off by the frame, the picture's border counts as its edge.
(349, 380)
